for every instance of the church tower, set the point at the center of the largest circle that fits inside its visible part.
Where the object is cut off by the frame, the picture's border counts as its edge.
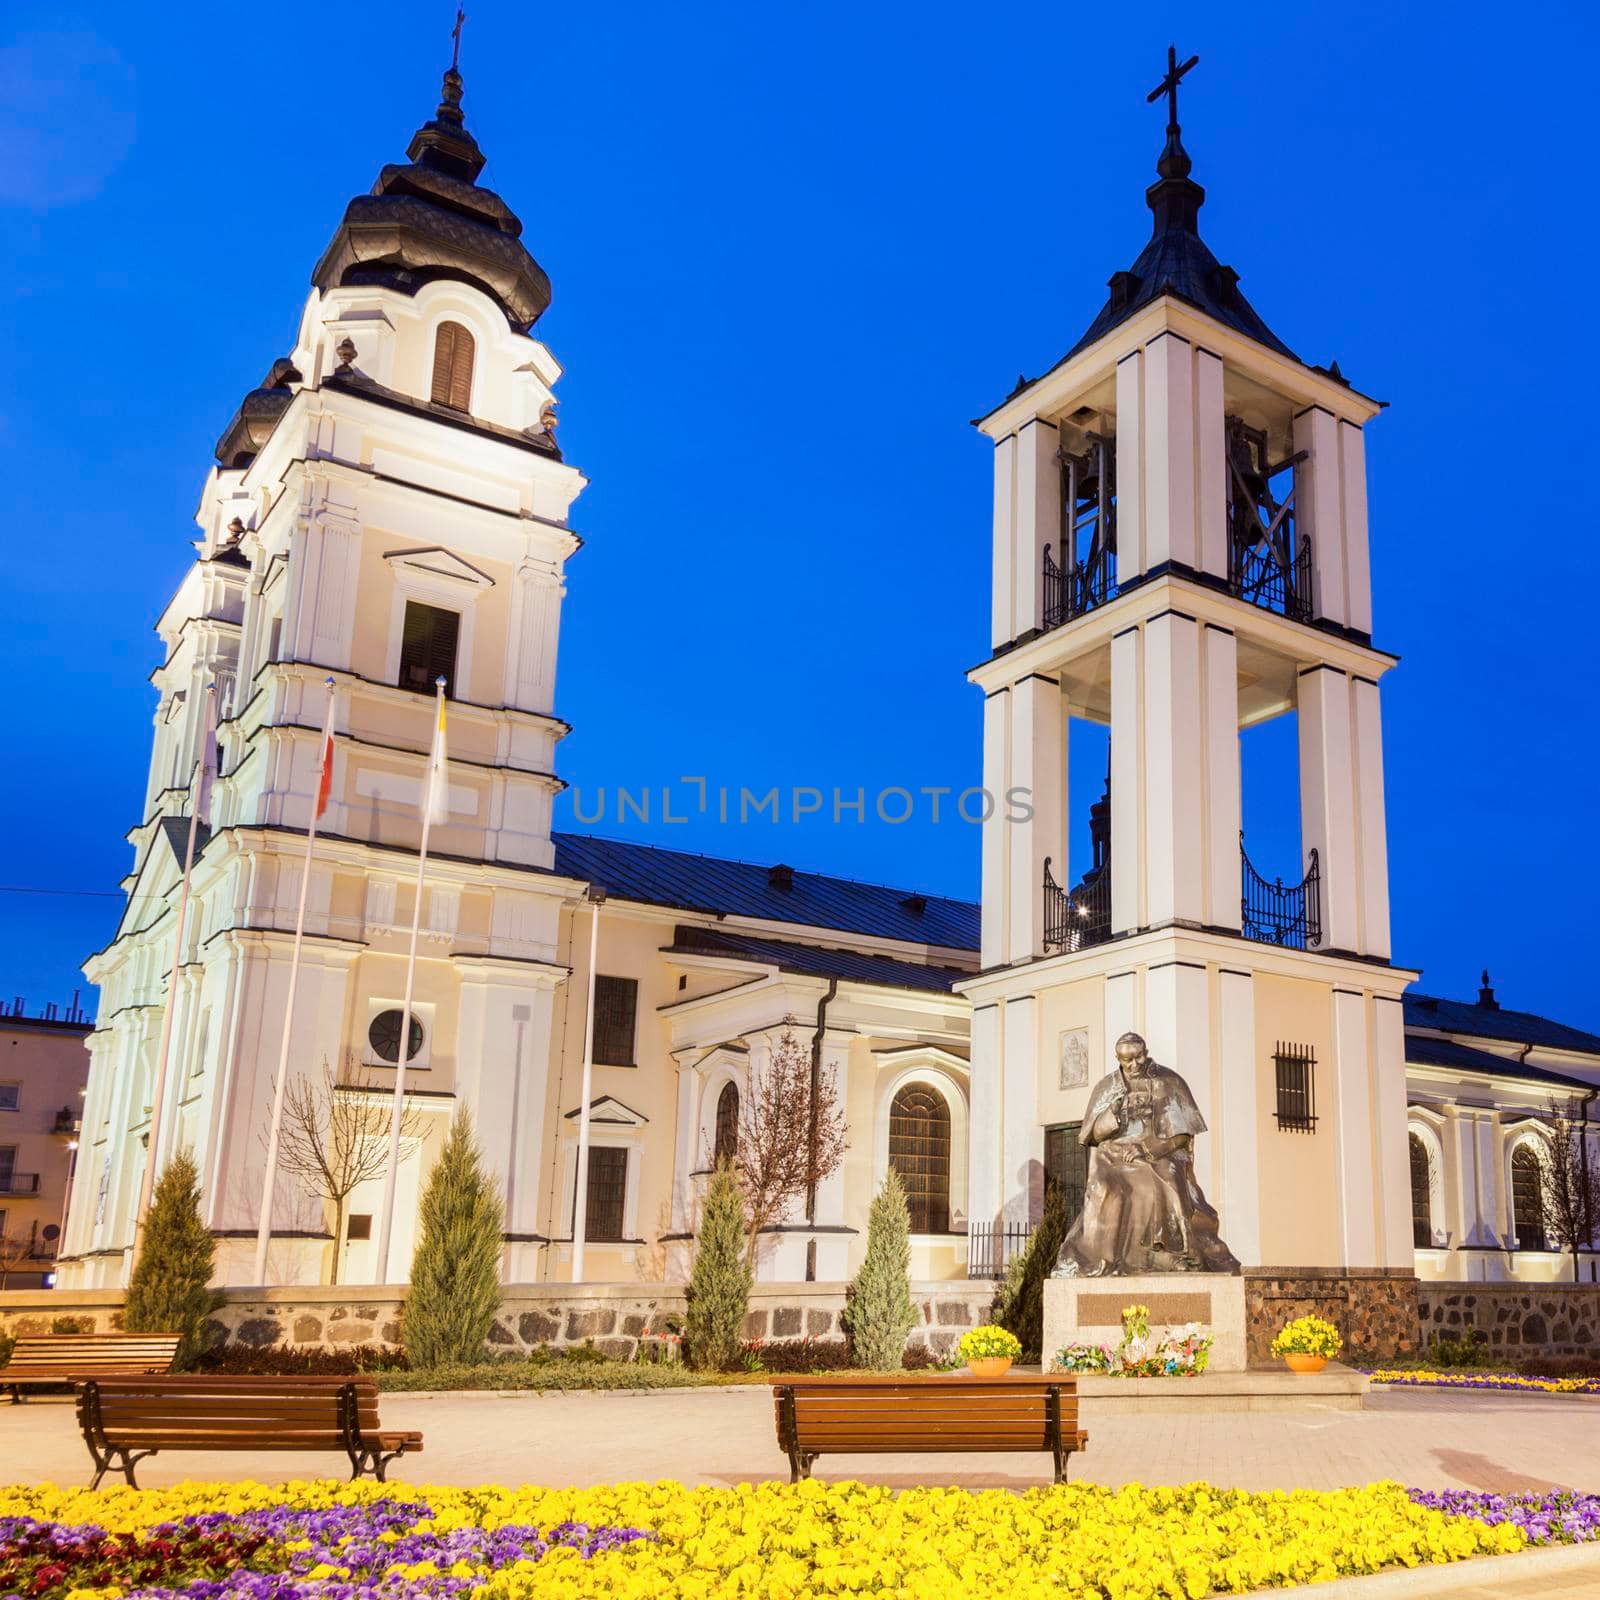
(1180, 554)
(388, 507)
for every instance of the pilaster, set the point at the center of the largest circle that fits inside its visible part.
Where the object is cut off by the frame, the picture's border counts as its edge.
(1172, 771)
(1220, 816)
(1360, 1193)
(1038, 519)
(1127, 798)
(1238, 1126)
(1372, 841)
(1327, 800)
(1037, 778)
(987, 1112)
(995, 925)
(1022, 1141)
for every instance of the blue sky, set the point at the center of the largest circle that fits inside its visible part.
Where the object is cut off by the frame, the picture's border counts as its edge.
(793, 252)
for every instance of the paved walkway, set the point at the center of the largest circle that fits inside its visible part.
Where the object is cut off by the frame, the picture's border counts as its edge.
(1446, 1438)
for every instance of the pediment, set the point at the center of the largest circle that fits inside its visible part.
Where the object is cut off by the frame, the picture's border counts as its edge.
(434, 562)
(609, 1112)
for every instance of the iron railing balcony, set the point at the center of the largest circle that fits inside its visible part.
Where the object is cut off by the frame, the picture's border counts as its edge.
(1078, 918)
(1072, 591)
(19, 1183)
(1286, 914)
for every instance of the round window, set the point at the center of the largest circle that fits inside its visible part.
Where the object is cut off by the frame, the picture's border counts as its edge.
(384, 1036)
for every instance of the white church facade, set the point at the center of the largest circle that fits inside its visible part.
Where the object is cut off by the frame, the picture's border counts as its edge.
(1180, 552)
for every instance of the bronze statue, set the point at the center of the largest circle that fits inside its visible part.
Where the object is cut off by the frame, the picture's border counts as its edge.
(1143, 1210)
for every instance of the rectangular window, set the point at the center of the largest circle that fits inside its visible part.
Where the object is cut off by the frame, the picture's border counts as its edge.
(616, 1006)
(1066, 1164)
(608, 1192)
(8, 1166)
(359, 1226)
(10, 1096)
(1296, 1067)
(428, 648)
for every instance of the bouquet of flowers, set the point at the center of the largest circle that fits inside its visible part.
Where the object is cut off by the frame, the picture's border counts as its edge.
(1308, 1336)
(977, 1344)
(1183, 1352)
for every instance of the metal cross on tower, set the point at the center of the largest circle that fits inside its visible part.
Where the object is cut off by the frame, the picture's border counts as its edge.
(1169, 84)
(461, 16)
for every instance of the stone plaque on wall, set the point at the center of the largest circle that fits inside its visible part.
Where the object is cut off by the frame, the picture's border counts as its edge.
(1075, 1058)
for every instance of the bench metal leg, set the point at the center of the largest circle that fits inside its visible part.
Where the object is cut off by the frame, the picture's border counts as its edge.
(800, 1464)
(374, 1460)
(107, 1461)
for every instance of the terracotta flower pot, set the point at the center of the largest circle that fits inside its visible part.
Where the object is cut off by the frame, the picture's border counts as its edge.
(989, 1366)
(1298, 1361)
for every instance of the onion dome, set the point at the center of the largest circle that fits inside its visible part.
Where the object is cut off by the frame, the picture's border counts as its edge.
(252, 424)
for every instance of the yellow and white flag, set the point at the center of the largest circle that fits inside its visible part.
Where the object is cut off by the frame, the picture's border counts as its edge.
(436, 786)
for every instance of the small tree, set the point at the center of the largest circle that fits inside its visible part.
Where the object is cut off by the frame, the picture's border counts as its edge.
(15, 1252)
(791, 1137)
(169, 1290)
(719, 1282)
(878, 1311)
(455, 1274)
(1569, 1183)
(335, 1137)
(1023, 1315)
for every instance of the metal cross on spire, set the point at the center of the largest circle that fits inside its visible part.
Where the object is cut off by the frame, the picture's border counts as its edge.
(455, 34)
(1169, 85)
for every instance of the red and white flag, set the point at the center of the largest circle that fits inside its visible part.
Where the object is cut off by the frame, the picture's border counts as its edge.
(325, 779)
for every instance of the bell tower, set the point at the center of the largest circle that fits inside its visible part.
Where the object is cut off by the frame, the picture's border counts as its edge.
(1180, 555)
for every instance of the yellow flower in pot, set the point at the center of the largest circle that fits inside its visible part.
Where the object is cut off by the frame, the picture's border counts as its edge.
(1308, 1344)
(988, 1351)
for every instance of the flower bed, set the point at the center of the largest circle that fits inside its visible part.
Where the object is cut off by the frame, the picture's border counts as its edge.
(336, 1541)
(1556, 1517)
(1424, 1378)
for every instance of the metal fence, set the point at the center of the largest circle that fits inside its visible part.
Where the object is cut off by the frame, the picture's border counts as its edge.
(989, 1249)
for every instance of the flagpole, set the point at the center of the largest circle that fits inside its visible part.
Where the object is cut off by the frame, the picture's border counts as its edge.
(430, 793)
(270, 1177)
(199, 794)
(580, 1196)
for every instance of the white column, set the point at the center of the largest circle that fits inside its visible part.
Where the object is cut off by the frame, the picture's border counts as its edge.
(1389, 1112)
(1491, 1183)
(985, 1197)
(1021, 1146)
(1460, 1217)
(533, 636)
(1038, 519)
(1319, 510)
(1357, 557)
(1221, 816)
(1172, 771)
(1327, 808)
(833, 1248)
(1038, 768)
(1359, 1184)
(1003, 597)
(1237, 1129)
(686, 1137)
(994, 912)
(1131, 559)
(1127, 802)
(1169, 453)
(1211, 465)
(1122, 1012)
(1177, 1016)
(1372, 841)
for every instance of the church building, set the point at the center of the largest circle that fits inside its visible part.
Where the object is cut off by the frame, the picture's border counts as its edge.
(1180, 553)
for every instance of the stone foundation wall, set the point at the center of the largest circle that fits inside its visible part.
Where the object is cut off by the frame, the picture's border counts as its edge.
(1515, 1319)
(615, 1317)
(1375, 1310)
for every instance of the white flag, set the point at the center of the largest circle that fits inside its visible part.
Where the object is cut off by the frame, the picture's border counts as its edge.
(436, 787)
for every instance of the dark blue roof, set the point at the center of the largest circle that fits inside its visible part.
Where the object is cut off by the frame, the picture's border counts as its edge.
(662, 877)
(1423, 1051)
(854, 966)
(1495, 1022)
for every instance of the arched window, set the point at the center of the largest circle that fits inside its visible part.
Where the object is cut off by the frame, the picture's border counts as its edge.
(919, 1150)
(727, 1135)
(1527, 1199)
(1421, 1195)
(452, 367)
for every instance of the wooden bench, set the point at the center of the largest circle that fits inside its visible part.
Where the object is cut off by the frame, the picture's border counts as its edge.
(126, 1419)
(67, 1358)
(843, 1415)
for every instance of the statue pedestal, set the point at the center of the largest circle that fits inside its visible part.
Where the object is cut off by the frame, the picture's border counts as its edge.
(1089, 1311)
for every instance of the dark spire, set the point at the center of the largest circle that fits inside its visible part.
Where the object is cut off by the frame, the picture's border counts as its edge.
(1486, 997)
(1173, 198)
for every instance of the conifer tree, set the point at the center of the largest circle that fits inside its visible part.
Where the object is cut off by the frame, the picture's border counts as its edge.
(719, 1283)
(169, 1290)
(455, 1274)
(1023, 1315)
(878, 1311)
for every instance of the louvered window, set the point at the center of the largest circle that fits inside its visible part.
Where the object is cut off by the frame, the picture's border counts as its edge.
(428, 648)
(616, 1002)
(608, 1193)
(452, 367)
(727, 1140)
(919, 1150)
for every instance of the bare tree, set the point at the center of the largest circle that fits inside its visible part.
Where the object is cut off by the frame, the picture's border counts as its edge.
(16, 1254)
(335, 1137)
(791, 1136)
(1569, 1182)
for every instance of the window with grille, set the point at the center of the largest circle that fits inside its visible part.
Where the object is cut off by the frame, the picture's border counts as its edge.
(616, 1005)
(1296, 1069)
(608, 1193)
(428, 640)
(452, 367)
(1421, 1195)
(1527, 1200)
(1066, 1165)
(919, 1150)
(726, 1143)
